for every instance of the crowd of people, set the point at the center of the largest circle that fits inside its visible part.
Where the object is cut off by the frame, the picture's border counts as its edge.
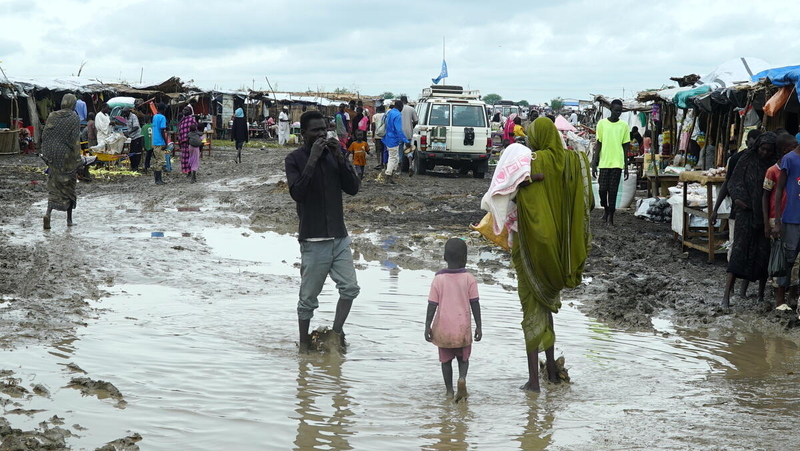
(391, 128)
(761, 183)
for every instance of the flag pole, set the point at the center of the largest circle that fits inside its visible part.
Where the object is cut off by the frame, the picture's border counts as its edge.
(443, 58)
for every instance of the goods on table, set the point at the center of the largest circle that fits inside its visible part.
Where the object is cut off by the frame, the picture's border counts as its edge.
(715, 172)
(696, 194)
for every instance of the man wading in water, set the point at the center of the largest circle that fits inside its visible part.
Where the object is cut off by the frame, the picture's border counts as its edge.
(317, 173)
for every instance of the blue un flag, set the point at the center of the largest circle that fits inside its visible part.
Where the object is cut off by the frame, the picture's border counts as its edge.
(443, 74)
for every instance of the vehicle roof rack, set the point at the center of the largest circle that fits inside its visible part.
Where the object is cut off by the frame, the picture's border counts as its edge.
(450, 92)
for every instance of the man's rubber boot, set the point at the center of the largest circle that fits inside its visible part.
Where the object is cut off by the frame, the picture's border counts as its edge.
(194, 176)
(157, 175)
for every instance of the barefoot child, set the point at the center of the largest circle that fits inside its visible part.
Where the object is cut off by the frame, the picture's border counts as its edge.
(195, 144)
(359, 148)
(454, 292)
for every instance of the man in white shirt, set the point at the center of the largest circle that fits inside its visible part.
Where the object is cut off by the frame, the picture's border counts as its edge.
(573, 118)
(102, 123)
(283, 126)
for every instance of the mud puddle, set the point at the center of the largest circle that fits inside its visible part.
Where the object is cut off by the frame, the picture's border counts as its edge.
(205, 357)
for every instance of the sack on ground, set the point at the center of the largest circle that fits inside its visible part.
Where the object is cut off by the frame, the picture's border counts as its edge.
(778, 266)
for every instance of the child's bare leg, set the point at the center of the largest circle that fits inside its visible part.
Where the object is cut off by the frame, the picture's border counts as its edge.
(447, 373)
(463, 366)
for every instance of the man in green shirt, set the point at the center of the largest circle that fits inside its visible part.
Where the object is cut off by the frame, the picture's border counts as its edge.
(613, 141)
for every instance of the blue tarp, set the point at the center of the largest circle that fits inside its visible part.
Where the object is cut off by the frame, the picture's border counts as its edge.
(682, 97)
(782, 76)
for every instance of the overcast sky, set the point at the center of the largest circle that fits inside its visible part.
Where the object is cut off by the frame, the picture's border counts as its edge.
(530, 50)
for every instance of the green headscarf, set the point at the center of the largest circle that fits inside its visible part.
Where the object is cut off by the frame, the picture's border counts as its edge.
(553, 240)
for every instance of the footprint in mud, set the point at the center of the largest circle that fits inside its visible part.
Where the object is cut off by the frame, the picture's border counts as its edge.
(99, 388)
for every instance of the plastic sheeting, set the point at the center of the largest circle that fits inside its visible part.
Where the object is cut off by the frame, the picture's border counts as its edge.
(681, 98)
(564, 125)
(782, 76)
(733, 72)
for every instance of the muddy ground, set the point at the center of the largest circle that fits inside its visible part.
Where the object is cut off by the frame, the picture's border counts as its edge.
(635, 270)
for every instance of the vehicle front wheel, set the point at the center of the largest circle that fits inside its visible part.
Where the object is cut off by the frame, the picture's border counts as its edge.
(478, 175)
(464, 170)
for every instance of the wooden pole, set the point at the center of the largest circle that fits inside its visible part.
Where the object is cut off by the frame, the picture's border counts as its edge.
(273, 96)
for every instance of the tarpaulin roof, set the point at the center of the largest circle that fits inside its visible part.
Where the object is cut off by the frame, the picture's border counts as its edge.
(782, 76)
(682, 97)
(732, 72)
(71, 84)
(290, 97)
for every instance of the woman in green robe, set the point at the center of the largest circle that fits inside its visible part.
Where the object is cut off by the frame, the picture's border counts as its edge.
(553, 239)
(62, 151)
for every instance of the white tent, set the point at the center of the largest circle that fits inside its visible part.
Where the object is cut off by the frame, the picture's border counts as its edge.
(733, 72)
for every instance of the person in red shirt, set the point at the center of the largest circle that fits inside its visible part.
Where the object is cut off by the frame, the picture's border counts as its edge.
(786, 143)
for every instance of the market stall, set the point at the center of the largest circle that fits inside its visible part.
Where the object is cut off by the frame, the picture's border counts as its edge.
(708, 239)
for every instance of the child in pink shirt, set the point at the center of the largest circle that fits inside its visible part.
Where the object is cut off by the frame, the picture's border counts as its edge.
(454, 292)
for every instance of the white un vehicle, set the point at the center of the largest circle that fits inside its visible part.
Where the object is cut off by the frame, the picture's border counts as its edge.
(453, 131)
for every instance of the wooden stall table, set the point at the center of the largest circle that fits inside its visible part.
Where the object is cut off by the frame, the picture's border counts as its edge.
(703, 239)
(664, 182)
(208, 136)
(256, 132)
(641, 181)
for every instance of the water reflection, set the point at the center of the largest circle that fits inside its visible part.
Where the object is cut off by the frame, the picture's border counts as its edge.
(754, 355)
(538, 432)
(323, 404)
(451, 428)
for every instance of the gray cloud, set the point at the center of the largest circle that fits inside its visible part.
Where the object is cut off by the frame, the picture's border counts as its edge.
(517, 49)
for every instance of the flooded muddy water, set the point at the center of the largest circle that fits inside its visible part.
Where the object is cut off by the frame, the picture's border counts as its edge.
(198, 335)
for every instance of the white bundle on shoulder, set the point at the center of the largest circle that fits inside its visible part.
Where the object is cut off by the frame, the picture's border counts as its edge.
(512, 169)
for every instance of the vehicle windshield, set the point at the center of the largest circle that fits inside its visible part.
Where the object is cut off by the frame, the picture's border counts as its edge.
(469, 116)
(440, 114)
